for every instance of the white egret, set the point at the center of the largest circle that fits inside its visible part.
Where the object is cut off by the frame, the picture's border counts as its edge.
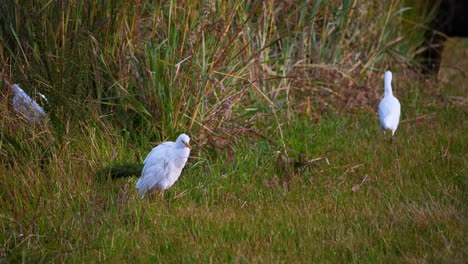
(26, 106)
(389, 106)
(163, 165)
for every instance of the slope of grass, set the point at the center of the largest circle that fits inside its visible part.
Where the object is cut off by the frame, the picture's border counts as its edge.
(368, 199)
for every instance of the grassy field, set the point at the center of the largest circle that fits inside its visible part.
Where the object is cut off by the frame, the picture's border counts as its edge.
(288, 161)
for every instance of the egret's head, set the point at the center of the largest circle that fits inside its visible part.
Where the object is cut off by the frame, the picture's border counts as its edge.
(388, 77)
(184, 139)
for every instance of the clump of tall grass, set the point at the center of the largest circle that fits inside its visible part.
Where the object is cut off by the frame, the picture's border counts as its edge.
(162, 68)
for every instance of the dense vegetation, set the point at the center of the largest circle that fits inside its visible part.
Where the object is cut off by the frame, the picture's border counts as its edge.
(279, 98)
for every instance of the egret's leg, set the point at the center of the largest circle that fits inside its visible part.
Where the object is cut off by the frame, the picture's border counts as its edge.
(385, 136)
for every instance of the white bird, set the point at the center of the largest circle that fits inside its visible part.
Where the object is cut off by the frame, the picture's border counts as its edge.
(389, 107)
(26, 106)
(163, 165)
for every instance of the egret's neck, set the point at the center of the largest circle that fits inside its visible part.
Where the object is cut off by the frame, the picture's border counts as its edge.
(388, 87)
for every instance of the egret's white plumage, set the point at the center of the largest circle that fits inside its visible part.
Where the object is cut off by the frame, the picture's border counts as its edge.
(163, 165)
(389, 107)
(23, 104)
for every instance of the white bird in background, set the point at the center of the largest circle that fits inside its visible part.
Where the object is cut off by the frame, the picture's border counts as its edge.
(389, 107)
(26, 106)
(163, 165)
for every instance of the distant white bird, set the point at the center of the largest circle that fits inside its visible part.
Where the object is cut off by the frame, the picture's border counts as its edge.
(163, 165)
(23, 104)
(389, 107)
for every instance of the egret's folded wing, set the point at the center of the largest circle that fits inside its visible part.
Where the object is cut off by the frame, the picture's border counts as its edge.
(27, 106)
(389, 111)
(150, 177)
(384, 110)
(154, 170)
(37, 108)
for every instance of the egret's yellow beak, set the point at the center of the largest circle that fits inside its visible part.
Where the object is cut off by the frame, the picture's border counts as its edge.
(187, 145)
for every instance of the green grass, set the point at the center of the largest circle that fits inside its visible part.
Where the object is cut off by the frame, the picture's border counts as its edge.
(288, 162)
(410, 208)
